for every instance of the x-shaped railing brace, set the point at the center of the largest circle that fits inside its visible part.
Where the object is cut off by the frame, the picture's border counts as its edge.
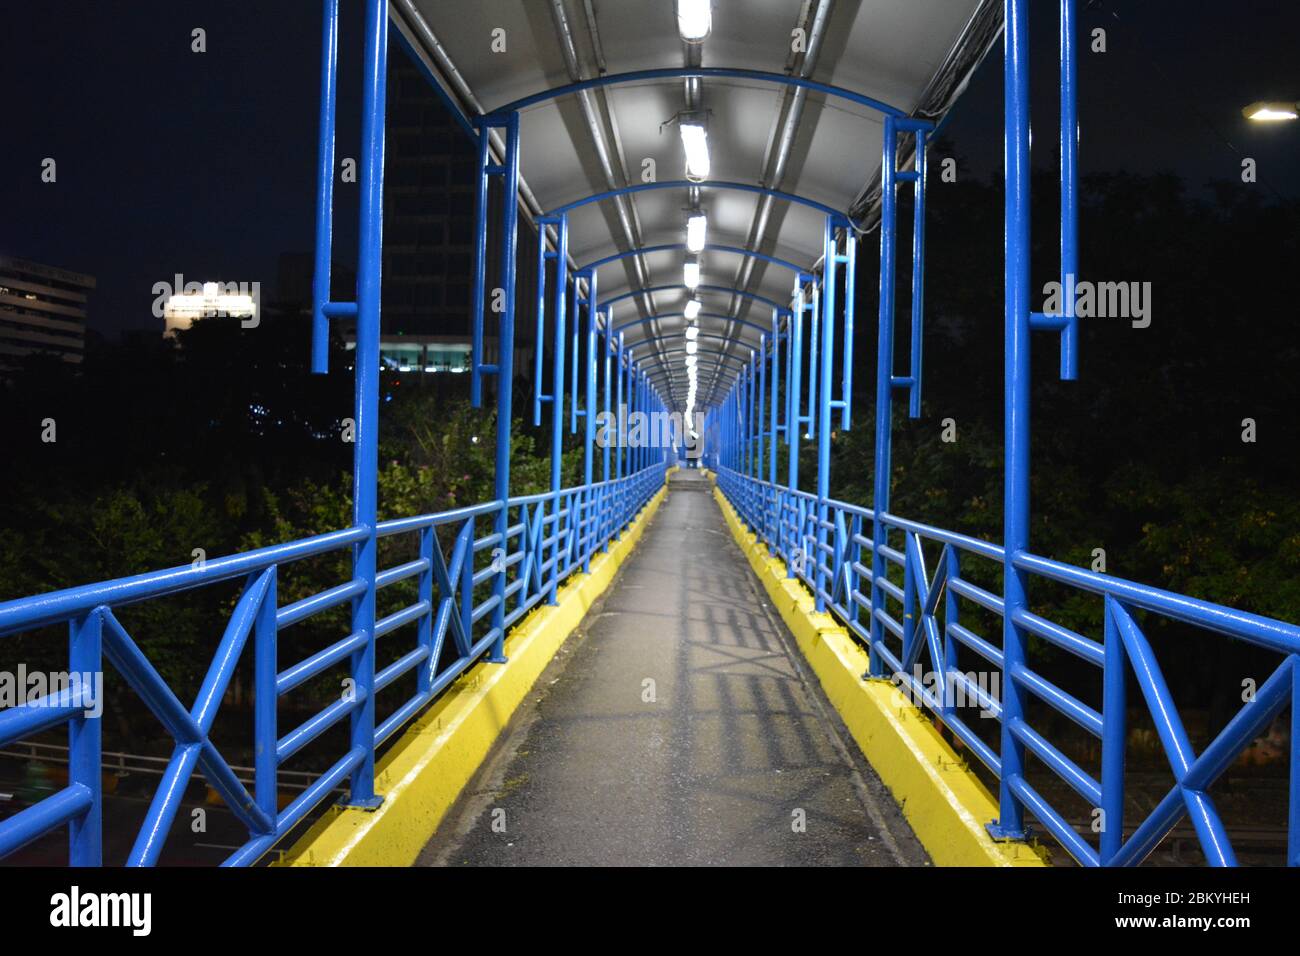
(190, 728)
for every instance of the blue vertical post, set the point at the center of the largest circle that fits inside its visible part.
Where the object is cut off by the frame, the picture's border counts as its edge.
(794, 413)
(764, 432)
(884, 390)
(639, 451)
(776, 388)
(632, 409)
(618, 412)
(365, 471)
(589, 422)
(1293, 810)
(951, 615)
(850, 312)
(85, 739)
(425, 637)
(1069, 147)
(739, 389)
(266, 764)
(751, 419)
(774, 547)
(918, 275)
(469, 530)
(561, 292)
(747, 380)
(606, 351)
(1010, 823)
(575, 408)
(814, 342)
(1114, 733)
(589, 400)
(320, 288)
(629, 398)
(539, 312)
(607, 355)
(477, 298)
(829, 250)
(505, 375)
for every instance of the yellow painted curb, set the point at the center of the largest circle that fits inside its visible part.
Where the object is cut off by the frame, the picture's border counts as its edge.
(421, 775)
(943, 801)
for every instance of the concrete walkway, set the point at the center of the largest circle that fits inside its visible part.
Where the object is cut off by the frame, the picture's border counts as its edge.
(679, 726)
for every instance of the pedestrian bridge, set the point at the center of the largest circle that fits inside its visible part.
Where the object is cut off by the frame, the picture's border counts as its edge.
(697, 655)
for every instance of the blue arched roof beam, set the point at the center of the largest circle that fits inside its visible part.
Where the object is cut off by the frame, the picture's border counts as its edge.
(675, 336)
(702, 72)
(724, 359)
(676, 375)
(784, 310)
(672, 315)
(704, 184)
(708, 247)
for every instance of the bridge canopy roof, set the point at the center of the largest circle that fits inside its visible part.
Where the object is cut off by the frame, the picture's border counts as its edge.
(905, 54)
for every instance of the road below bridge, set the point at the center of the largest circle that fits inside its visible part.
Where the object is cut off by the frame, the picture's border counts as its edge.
(678, 726)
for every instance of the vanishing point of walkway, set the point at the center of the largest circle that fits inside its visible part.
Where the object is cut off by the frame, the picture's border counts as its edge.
(679, 725)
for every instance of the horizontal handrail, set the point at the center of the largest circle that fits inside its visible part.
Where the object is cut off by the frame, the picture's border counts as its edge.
(915, 617)
(514, 560)
(25, 614)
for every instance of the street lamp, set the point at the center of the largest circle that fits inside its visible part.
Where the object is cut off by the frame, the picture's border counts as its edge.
(1271, 111)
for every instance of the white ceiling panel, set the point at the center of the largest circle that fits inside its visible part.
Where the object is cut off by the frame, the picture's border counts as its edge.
(886, 49)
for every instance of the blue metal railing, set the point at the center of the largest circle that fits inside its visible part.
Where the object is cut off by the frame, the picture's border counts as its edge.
(463, 556)
(921, 620)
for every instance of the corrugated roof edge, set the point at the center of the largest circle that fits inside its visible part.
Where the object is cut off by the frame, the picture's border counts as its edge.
(941, 94)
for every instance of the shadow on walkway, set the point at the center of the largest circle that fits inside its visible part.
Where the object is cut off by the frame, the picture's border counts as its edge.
(678, 726)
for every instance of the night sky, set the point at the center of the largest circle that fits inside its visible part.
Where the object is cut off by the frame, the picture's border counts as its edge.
(204, 164)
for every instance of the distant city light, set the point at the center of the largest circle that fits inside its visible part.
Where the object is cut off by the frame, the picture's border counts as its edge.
(180, 311)
(1270, 111)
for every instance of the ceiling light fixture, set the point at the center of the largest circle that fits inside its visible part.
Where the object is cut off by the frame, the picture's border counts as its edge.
(691, 273)
(695, 143)
(696, 226)
(694, 19)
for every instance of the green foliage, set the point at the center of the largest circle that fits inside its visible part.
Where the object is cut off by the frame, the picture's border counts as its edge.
(224, 442)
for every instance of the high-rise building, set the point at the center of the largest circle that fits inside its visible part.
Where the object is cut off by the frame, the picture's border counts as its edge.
(42, 309)
(429, 175)
(428, 230)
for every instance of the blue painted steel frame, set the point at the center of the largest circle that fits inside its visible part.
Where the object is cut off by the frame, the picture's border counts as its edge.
(534, 552)
(701, 288)
(922, 622)
(689, 184)
(681, 246)
(921, 618)
(701, 72)
(539, 540)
